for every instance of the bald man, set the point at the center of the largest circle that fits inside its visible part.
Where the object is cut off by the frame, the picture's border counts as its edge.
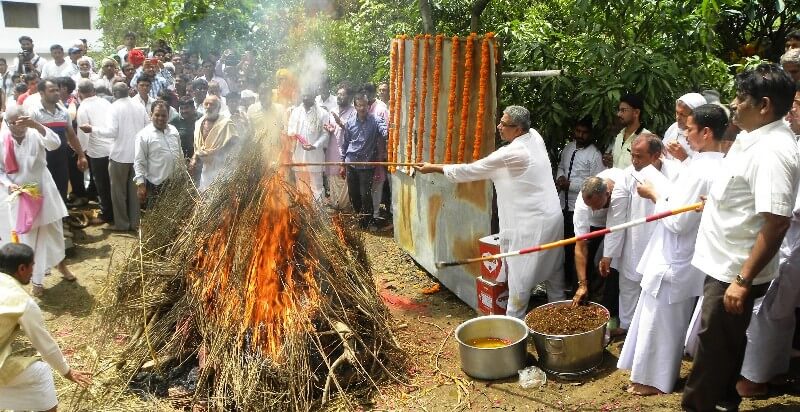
(215, 139)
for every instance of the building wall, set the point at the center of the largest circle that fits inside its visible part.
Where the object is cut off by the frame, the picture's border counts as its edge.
(50, 30)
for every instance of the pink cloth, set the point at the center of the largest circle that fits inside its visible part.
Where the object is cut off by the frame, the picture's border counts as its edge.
(10, 159)
(28, 211)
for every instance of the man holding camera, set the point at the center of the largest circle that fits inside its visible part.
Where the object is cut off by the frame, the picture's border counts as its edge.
(27, 60)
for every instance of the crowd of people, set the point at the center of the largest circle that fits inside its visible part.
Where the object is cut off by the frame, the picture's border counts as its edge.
(75, 131)
(719, 284)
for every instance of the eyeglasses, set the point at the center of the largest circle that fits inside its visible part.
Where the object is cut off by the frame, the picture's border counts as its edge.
(504, 124)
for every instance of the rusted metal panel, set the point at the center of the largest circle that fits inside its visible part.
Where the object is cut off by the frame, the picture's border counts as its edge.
(434, 219)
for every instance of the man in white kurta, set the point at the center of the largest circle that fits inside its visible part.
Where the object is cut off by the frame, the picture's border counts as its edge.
(306, 127)
(337, 184)
(528, 207)
(30, 142)
(676, 145)
(626, 247)
(215, 139)
(654, 346)
(25, 382)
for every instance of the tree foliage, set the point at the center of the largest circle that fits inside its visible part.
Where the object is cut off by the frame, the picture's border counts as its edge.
(659, 49)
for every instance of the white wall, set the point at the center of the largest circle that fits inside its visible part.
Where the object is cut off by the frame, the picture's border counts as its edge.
(50, 29)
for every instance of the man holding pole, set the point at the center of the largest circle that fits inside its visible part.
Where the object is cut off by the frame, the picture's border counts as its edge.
(528, 206)
(746, 216)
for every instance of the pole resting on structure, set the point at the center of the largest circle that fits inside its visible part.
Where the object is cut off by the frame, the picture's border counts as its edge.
(536, 73)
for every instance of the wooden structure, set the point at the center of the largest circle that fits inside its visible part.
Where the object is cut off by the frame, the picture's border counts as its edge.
(443, 106)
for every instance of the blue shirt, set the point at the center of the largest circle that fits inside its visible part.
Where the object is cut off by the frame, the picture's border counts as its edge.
(364, 140)
(157, 84)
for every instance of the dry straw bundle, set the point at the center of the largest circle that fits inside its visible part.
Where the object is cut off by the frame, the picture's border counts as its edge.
(271, 297)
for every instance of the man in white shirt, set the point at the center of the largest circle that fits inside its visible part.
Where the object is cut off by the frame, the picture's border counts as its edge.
(58, 67)
(209, 75)
(26, 383)
(306, 128)
(629, 112)
(746, 216)
(130, 44)
(126, 118)
(158, 154)
(143, 92)
(326, 99)
(27, 61)
(215, 138)
(626, 247)
(675, 141)
(580, 159)
(93, 112)
(527, 204)
(654, 347)
(591, 213)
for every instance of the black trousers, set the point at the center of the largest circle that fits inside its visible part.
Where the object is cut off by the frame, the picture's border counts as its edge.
(75, 175)
(570, 277)
(596, 283)
(102, 182)
(58, 165)
(611, 293)
(359, 188)
(153, 191)
(720, 350)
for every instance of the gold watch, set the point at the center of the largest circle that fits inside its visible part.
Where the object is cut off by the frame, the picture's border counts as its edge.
(742, 281)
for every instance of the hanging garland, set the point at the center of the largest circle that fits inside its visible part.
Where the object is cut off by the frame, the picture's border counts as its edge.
(412, 105)
(393, 115)
(437, 74)
(483, 84)
(465, 95)
(451, 103)
(401, 49)
(421, 128)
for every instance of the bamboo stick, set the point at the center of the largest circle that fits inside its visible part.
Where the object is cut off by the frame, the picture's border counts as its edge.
(565, 242)
(398, 164)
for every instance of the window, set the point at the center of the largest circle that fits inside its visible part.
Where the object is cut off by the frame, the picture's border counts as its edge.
(20, 14)
(75, 17)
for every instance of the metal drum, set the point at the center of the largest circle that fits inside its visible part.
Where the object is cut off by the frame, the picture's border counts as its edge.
(570, 354)
(493, 363)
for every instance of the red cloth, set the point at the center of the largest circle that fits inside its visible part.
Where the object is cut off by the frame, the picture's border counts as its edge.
(10, 158)
(22, 97)
(135, 57)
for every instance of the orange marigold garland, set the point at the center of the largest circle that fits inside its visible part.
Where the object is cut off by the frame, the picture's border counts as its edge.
(421, 128)
(451, 103)
(483, 84)
(412, 105)
(465, 95)
(392, 98)
(401, 61)
(437, 75)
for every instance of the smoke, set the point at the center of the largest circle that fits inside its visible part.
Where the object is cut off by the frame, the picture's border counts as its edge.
(311, 70)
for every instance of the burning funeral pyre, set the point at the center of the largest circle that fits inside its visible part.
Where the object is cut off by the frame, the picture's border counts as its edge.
(268, 301)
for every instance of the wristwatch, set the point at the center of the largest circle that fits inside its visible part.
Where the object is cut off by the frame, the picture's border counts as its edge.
(742, 281)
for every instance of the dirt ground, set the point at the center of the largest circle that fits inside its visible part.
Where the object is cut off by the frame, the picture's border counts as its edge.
(425, 324)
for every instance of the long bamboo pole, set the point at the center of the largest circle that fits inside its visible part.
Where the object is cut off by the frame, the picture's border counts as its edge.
(564, 242)
(399, 164)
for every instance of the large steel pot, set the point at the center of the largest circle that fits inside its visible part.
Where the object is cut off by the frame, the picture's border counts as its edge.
(570, 354)
(496, 363)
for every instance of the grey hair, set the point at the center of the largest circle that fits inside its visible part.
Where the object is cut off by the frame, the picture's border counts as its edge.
(654, 144)
(120, 90)
(520, 116)
(15, 111)
(594, 186)
(84, 59)
(85, 86)
(792, 57)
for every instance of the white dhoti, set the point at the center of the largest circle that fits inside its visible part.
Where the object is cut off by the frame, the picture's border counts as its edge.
(32, 390)
(629, 291)
(338, 198)
(654, 346)
(310, 183)
(48, 244)
(691, 341)
(528, 271)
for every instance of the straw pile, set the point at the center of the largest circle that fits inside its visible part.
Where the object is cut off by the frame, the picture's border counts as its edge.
(272, 299)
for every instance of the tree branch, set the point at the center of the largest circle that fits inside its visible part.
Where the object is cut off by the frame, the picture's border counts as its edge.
(428, 24)
(478, 6)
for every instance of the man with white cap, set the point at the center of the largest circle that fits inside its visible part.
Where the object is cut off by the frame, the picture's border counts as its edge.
(675, 142)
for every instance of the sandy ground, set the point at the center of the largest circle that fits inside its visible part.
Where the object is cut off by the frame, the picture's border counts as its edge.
(425, 325)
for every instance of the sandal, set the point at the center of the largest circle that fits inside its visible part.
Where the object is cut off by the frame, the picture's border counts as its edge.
(77, 221)
(37, 290)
